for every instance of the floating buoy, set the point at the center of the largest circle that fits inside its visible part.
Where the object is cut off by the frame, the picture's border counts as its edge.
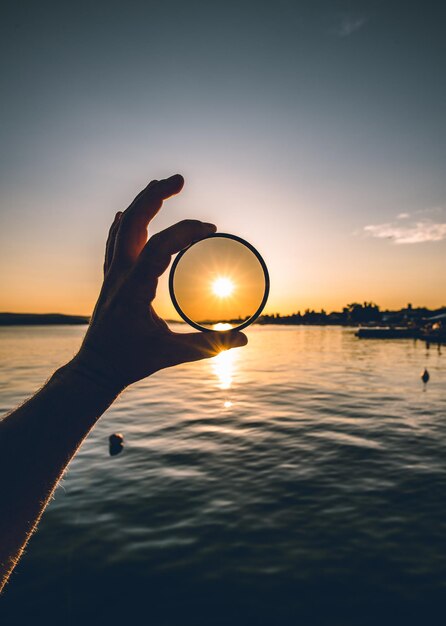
(425, 376)
(115, 444)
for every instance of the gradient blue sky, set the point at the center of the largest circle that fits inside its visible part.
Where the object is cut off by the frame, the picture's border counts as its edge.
(316, 130)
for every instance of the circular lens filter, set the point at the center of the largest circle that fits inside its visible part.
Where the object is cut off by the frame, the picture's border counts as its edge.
(219, 283)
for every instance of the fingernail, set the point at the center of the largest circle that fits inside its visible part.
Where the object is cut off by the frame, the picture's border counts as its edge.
(238, 339)
(176, 178)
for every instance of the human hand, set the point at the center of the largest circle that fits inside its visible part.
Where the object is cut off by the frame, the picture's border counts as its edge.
(126, 340)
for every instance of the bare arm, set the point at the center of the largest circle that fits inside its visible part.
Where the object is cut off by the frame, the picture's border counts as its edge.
(126, 341)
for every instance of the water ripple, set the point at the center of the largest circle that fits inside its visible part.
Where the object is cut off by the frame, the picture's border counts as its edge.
(299, 480)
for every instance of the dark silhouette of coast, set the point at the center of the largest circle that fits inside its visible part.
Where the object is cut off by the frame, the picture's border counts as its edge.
(407, 323)
(41, 319)
(45, 319)
(374, 323)
(356, 314)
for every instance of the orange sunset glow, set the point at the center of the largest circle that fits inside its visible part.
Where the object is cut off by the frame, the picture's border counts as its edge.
(218, 280)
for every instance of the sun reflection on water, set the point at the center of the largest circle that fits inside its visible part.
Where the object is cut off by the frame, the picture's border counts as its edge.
(222, 326)
(223, 366)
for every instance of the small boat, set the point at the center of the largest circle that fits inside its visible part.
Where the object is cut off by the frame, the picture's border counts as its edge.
(386, 333)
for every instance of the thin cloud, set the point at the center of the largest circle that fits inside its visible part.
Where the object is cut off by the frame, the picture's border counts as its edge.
(417, 232)
(349, 24)
(433, 211)
(403, 216)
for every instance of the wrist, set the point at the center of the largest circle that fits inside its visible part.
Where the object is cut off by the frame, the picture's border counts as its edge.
(91, 369)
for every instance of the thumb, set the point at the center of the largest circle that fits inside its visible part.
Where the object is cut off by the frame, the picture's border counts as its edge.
(195, 346)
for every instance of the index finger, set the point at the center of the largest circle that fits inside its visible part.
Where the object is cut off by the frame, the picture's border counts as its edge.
(132, 234)
(158, 251)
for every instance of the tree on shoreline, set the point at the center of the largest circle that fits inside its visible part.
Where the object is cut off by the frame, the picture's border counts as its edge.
(362, 313)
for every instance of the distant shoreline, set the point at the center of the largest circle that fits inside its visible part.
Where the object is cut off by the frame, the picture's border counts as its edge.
(41, 319)
(354, 315)
(48, 319)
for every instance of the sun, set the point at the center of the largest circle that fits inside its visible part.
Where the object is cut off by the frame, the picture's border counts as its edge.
(222, 287)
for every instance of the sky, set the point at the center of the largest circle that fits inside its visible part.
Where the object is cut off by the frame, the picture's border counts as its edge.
(315, 130)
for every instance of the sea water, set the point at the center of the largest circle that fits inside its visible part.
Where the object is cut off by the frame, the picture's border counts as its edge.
(298, 480)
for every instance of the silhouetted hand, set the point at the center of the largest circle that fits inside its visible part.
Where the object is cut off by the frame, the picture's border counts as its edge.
(126, 340)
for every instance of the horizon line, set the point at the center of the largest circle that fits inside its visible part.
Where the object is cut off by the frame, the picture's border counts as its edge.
(297, 312)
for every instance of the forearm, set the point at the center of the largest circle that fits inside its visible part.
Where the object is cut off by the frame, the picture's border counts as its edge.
(37, 441)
